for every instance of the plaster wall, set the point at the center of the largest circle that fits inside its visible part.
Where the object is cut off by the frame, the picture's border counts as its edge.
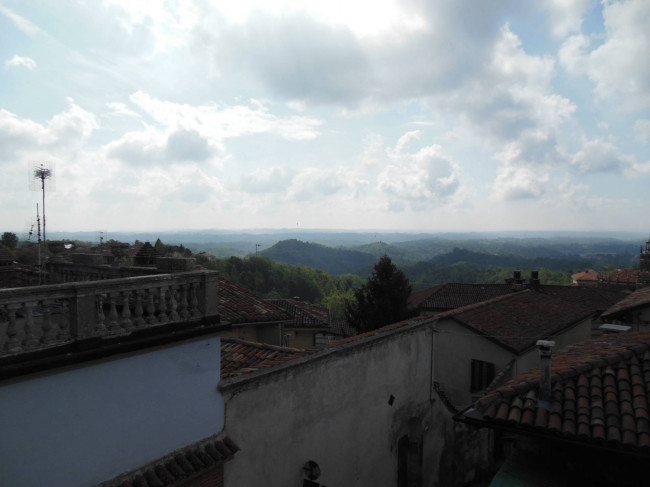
(455, 347)
(575, 334)
(336, 410)
(84, 425)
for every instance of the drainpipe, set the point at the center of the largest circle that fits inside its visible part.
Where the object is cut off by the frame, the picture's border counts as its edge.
(545, 352)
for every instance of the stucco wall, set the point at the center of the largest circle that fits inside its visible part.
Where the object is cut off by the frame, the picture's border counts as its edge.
(455, 347)
(575, 334)
(86, 424)
(334, 409)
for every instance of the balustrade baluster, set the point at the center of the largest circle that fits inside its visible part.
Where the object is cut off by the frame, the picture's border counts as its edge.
(151, 309)
(194, 301)
(113, 324)
(30, 340)
(162, 305)
(12, 344)
(173, 304)
(127, 324)
(183, 311)
(48, 330)
(64, 322)
(138, 311)
(100, 326)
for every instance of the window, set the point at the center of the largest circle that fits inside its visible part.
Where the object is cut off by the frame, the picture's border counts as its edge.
(482, 375)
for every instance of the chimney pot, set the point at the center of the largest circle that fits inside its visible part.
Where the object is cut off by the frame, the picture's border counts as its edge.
(545, 352)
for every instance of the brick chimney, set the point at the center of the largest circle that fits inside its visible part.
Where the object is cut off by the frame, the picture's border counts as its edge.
(545, 352)
(534, 280)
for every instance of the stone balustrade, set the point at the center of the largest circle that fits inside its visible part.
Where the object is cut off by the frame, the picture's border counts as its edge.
(37, 317)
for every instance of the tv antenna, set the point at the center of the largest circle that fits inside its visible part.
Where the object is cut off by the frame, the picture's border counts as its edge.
(42, 171)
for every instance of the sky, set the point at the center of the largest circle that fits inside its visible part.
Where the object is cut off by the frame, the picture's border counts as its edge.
(426, 115)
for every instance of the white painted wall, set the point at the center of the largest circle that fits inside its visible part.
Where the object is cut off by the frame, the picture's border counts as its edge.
(335, 410)
(86, 424)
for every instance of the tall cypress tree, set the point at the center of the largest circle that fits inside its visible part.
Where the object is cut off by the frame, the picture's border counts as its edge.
(382, 300)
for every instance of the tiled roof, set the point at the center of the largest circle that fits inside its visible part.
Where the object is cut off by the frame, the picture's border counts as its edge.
(599, 396)
(518, 320)
(595, 299)
(455, 295)
(639, 298)
(622, 275)
(238, 305)
(179, 466)
(304, 314)
(241, 356)
(588, 275)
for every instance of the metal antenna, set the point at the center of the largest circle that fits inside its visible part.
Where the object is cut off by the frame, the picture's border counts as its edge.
(42, 172)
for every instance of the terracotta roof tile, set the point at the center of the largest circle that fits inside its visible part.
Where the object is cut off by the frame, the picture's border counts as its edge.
(639, 298)
(238, 305)
(241, 356)
(608, 402)
(170, 470)
(518, 320)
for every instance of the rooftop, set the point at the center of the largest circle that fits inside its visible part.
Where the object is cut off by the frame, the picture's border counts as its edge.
(455, 295)
(599, 396)
(240, 356)
(517, 320)
(238, 305)
(639, 298)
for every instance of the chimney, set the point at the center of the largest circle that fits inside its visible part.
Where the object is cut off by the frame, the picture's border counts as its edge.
(534, 280)
(545, 352)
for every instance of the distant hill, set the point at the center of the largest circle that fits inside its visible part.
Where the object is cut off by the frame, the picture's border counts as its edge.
(333, 260)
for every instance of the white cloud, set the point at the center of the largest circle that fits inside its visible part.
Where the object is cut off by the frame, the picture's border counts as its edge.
(614, 66)
(601, 156)
(20, 61)
(422, 178)
(565, 16)
(642, 128)
(513, 183)
(271, 180)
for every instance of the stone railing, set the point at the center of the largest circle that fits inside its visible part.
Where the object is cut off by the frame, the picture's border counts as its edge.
(38, 317)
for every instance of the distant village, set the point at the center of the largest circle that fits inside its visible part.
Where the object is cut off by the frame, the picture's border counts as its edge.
(122, 367)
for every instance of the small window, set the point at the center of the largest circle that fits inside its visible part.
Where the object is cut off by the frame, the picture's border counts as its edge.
(482, 375)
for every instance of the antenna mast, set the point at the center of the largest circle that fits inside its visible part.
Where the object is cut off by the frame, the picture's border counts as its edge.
(41, 172)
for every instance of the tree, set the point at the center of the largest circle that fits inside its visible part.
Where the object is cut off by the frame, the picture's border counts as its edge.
(382, 300)
(9, 240)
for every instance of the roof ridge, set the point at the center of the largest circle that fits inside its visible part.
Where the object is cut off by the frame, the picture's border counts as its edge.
(472, 306)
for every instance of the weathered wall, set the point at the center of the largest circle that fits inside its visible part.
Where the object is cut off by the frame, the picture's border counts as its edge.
(575, 334)
(455, 347)
(335, 408)
(82, 425)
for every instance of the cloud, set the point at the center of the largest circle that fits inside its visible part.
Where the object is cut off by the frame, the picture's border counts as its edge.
(515, 183)
(422, 178)
(600, 156)
(614, 65)
(62, 132)
(642, 129)
(271, 180)
(20, 61)
(220, 122)
(565, 16)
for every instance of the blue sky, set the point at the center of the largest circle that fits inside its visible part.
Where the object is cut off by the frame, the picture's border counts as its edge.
(423, 115)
